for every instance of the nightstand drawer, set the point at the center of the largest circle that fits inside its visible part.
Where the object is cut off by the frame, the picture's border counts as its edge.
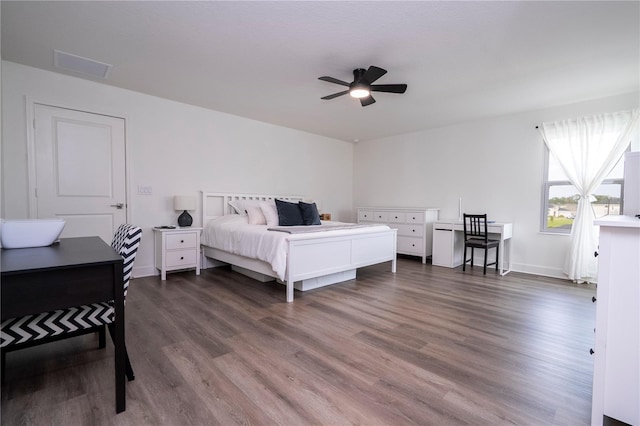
(184, 258)
(179, 241)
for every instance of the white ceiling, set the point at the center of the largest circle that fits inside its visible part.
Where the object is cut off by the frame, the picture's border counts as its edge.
(461, 60)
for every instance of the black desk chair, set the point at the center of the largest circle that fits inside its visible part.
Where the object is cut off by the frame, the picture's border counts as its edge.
(476, 236)
(31, 330)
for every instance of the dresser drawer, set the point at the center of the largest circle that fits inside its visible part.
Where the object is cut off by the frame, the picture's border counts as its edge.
(410, 230)
(380, 217)
(396, 217)
(365, 215)
(178, 258)
(409, 245)
(414, 217)
(181, 241)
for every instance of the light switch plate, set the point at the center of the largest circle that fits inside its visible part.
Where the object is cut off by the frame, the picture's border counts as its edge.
(145, 190)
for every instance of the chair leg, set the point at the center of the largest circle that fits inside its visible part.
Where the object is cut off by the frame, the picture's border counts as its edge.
(472, 255)
(497, 257)
(464, 259)
(129, 369)
(486, 252)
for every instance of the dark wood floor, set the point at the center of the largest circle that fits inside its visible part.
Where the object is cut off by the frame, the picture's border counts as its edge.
(428, 345)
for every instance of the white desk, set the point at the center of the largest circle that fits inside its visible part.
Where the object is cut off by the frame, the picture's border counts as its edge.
(448, 243)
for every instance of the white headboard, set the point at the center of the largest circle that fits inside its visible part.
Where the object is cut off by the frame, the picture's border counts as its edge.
(216, 204)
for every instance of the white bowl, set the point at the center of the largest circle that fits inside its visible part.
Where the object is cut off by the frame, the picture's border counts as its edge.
(30, 232)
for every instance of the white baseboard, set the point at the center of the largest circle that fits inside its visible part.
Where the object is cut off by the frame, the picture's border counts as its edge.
(149, 271)
(145, 271)
(539, 270)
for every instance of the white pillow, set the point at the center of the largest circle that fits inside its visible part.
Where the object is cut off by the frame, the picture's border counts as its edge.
(255, 216)
(270, 213)
(241, 206)
(237, 207)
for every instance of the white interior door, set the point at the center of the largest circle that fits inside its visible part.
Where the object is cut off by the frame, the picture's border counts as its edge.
(80, 170)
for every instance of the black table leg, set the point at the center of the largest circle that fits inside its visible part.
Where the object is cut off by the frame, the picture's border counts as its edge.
(121, 396)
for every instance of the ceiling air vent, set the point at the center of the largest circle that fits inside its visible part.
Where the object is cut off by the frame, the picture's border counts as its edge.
(69, 62)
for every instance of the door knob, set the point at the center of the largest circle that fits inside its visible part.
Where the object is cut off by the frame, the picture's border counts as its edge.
(118, 206)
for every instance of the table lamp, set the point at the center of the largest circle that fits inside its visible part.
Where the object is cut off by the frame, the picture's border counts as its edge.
(184, 203)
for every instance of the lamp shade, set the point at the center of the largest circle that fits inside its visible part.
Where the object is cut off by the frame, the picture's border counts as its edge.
(184, 202)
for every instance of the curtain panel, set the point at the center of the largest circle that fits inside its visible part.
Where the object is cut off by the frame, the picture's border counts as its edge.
(587, 149)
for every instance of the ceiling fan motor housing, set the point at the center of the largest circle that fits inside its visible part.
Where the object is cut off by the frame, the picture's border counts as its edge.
(357, 77)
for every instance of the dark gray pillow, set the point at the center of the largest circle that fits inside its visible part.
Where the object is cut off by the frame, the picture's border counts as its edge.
(288, 214)
(310, 215)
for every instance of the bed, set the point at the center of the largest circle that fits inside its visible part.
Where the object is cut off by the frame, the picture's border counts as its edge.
(311, 259)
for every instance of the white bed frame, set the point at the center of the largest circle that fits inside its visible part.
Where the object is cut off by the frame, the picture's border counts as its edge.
(313, 261)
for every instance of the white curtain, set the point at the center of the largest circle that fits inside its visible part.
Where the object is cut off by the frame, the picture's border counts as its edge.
(588, 148)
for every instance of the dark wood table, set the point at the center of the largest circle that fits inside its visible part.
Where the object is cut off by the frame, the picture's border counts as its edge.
(74, 272)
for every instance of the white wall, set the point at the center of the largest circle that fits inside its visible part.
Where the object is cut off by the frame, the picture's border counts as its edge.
(494, 165)
(177, 149)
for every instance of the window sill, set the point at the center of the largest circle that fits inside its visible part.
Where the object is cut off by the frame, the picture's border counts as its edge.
(555, 233)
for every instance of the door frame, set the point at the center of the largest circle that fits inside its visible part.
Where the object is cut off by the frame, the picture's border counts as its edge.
(30, 104)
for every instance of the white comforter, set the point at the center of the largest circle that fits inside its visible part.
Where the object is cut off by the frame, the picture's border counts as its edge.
(233, 234)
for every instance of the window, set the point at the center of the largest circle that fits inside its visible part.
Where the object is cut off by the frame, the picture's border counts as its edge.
(560, 197)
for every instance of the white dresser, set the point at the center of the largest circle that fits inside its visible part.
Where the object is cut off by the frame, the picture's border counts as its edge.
(616, 368)
(414, 225)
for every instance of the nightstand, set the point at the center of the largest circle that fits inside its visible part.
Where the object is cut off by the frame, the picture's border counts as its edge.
(177, 249)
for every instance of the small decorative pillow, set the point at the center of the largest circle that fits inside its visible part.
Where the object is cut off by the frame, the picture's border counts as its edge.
(270, 213)
(288, 214)
(310, 215)
(241, 206)
(237, 206)
(255, 216)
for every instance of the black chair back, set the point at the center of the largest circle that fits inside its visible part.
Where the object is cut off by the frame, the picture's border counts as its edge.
(475, 227)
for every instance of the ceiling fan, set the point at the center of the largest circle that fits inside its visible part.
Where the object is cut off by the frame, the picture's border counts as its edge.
(362, 86)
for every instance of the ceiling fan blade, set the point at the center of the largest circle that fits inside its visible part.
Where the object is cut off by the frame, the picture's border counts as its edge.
(390, 88)
(333, 80)
(367, 101)
(373, 73)
(335, 95)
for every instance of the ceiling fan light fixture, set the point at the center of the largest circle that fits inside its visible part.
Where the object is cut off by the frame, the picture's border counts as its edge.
(359, 91)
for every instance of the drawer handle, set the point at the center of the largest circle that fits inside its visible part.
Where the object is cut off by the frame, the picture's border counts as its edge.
(591, 351)
(181, 241)
(593, 299)
(413, 230)
(181, 257)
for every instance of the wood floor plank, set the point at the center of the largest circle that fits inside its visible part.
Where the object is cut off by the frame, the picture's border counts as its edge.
(427, 345)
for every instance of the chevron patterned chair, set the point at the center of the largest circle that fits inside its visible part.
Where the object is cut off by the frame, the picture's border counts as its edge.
(31, 330)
